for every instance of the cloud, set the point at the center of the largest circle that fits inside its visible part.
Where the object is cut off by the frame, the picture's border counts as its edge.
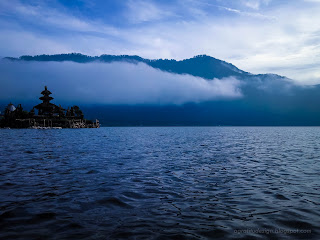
(255, 4)
(115, 83)
(140, 11)
(43, 15)
(250, 14)
(258, 36)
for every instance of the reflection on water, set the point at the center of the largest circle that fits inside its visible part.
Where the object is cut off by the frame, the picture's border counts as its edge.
(160, 183)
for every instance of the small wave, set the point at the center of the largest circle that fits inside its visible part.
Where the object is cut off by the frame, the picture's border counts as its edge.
(112, 201)
(92, 172)
(45, 216)
(280, 197)
(134, 195)
(29, 152)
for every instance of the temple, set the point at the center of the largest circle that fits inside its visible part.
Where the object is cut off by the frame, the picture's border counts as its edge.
(46, 108)
(45, 115)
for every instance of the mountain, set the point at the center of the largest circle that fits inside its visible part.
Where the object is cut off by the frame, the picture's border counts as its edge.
(268, 99)
(201, 66)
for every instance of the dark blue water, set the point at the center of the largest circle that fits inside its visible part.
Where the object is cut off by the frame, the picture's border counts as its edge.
(160, 183)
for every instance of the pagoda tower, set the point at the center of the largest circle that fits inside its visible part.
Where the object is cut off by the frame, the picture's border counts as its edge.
(46, 108)
(46, 96)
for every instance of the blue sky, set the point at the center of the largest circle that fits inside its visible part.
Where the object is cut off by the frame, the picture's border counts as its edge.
(259, 36)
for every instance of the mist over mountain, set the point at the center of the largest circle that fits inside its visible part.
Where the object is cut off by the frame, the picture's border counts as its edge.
(130, 90)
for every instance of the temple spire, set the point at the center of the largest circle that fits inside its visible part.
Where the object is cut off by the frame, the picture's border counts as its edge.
(46, 95)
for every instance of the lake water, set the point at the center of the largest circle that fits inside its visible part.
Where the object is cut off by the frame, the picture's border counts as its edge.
(160, 183)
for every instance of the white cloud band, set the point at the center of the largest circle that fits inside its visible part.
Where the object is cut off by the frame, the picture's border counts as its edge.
(115, 83)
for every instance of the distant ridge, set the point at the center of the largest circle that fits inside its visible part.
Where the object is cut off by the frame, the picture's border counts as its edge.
(202, 66)
(267, 99)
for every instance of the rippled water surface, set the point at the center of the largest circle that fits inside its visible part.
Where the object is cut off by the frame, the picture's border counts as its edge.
(160, 183)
